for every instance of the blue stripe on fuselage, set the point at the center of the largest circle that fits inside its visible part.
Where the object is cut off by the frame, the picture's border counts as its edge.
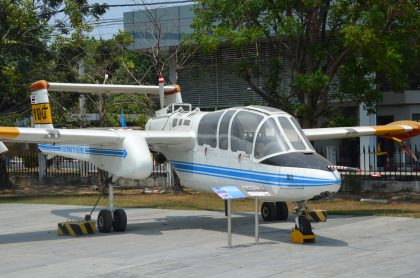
(251, 176)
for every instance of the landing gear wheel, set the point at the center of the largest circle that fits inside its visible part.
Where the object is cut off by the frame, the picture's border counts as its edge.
(268, 211)
(282, 212)
(120, 220)
(104, 221)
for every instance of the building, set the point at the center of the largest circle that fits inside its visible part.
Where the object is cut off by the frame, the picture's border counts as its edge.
(220, 86)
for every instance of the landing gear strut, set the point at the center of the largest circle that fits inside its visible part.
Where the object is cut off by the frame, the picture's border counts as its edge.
(303, 229)
(109, 218)
(271, 211)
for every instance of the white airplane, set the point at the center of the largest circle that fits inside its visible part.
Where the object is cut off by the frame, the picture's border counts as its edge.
(247, 147)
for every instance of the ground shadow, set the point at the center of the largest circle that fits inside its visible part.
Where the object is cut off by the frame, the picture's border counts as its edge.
(242, 224)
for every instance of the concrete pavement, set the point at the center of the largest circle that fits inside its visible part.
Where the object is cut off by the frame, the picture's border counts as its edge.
(174, 243)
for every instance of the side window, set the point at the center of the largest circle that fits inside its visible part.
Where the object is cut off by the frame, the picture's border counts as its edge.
(243, 129)
(180, 122)
(269, 140)
(187, 122)
(174, 122)
(224, 129)
(207, 129)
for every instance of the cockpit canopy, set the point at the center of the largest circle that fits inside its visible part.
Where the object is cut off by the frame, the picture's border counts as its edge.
(254, 131)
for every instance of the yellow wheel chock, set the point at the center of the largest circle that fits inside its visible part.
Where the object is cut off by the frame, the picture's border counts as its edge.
(303, 231)
(299, 238)
(76, 228)
(316, 215)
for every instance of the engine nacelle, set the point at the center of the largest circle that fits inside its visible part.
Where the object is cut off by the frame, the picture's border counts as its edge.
(131, 159)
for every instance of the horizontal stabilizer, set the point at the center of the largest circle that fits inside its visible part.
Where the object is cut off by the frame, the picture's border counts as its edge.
(107, 88)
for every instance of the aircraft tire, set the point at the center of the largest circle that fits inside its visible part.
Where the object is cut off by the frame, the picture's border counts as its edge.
(268, 211)
(282, 212)
(120, 220)
(104, 221)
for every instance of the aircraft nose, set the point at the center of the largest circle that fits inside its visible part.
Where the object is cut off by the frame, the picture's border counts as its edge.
(300, 160)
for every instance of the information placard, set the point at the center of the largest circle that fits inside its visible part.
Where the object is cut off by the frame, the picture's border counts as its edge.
(256, 191)
(229, 192)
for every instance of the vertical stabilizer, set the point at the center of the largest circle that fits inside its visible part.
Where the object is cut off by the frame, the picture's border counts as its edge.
(161, 91)
(41, 109)
(173, 96)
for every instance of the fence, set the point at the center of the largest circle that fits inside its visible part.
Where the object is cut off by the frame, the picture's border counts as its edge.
(27, 164)
(395, 163)
(373, 162)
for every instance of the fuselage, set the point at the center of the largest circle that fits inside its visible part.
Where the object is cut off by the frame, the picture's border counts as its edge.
(253, 148)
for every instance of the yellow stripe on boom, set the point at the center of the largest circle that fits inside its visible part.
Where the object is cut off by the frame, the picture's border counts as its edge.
(388, 130)
(9, 132)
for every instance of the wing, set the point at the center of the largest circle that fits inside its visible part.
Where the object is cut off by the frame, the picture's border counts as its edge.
(399, 131)
(121, 152)
(92, 136)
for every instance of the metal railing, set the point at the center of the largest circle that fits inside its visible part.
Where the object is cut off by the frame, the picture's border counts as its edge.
(373, 162)
(27, 164)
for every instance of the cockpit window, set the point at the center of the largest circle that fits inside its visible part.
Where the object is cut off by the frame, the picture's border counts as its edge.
(242, 131)
(269, 140)
(224, 130)
(207, 129)
(291, 134)
(295, 122)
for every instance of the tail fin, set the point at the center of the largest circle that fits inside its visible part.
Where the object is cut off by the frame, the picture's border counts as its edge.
(169, 97)
(41, 109)
(173, 96)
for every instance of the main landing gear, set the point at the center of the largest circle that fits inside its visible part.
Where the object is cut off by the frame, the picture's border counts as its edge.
(303, 229)
(107, 221)
(111, 218)
(271, 211)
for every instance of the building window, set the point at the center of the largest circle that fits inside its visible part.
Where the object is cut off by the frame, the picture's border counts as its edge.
(415, 117)
(207, 129)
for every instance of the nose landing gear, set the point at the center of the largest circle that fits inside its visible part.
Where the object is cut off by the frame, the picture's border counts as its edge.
(303, 229)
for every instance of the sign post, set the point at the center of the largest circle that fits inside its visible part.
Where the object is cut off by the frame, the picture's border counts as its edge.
(257, 239)
(228, 193)
(229, 223)
(255, 191)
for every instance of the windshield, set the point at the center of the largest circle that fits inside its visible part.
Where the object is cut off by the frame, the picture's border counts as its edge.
(269, 140)
(274, 138)
(294, 133)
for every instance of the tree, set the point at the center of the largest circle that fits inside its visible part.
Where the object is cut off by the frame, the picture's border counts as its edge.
(357, 42)
(25, 35)
(25, 55)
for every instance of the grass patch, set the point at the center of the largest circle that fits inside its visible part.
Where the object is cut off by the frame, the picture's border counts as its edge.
(204, 201)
